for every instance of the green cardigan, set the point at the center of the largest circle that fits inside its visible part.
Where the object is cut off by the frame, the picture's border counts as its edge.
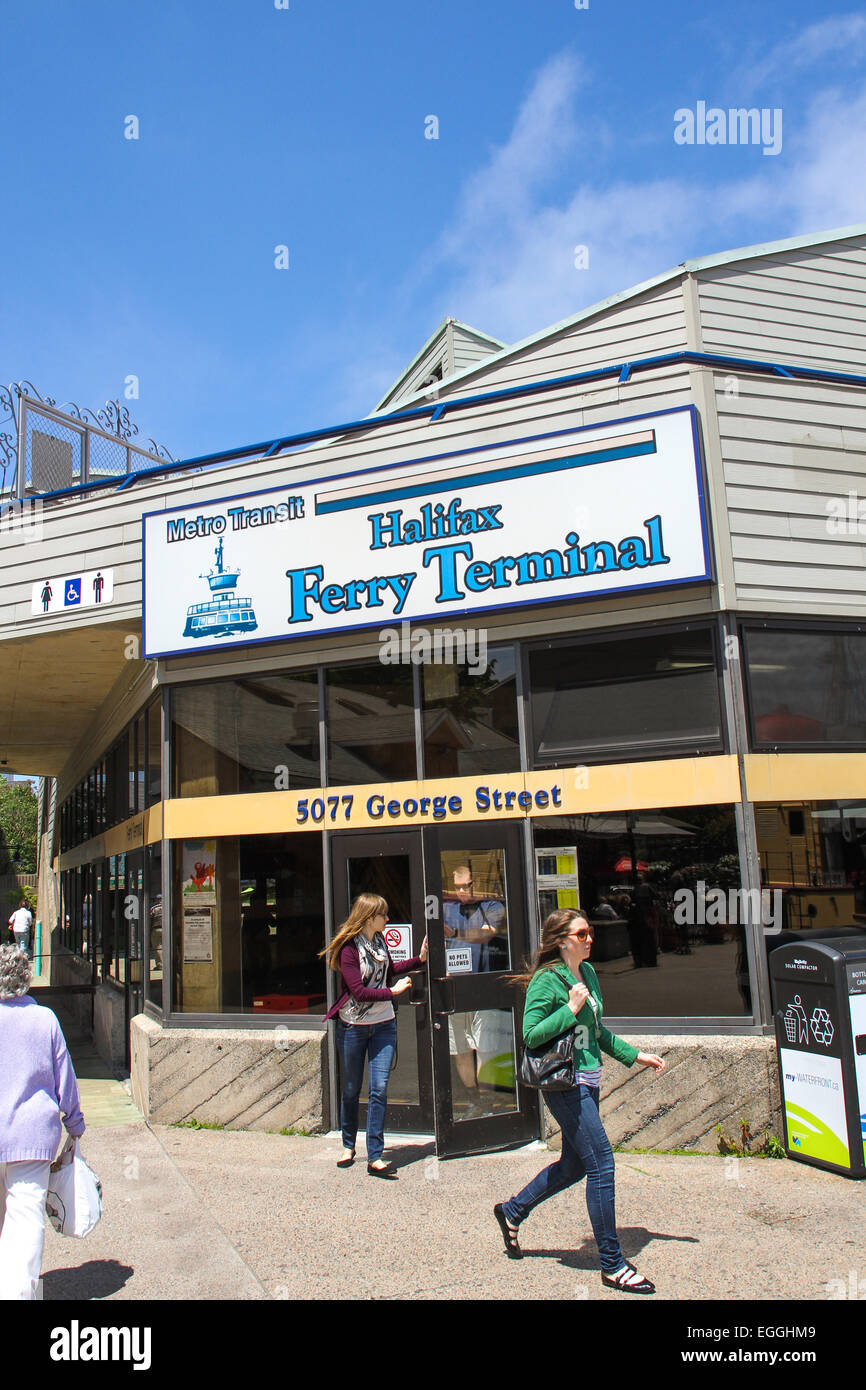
(546, 1014)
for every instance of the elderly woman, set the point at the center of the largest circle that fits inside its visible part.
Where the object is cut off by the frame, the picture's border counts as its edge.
(37, 1085)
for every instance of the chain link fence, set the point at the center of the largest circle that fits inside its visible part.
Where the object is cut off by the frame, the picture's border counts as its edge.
(45, 448)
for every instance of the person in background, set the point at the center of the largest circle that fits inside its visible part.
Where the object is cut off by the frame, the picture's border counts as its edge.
(20, 924)
(366, 1023)
(479, 923)
(37, 1086)
(604, 910)
(563, 993)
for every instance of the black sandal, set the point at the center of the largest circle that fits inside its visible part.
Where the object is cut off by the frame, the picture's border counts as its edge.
(385, 1172)
(346, 1162)
(512, 1248)
(628, 1280)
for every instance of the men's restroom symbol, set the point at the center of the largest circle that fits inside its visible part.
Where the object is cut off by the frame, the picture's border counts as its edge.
(72, 592)
(796, 1023)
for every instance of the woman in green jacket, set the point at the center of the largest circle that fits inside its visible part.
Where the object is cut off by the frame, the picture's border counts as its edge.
(564, 993)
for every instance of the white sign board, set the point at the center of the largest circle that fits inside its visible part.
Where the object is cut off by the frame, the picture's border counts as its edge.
(90, 589)
(197, 933)
(601, 510)
(398, 939)
(458, 960)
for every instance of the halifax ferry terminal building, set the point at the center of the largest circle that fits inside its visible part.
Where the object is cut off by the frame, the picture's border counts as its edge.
(575, 622)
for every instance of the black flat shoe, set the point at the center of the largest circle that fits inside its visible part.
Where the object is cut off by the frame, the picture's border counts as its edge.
(628, 1280)
(346, 1162)
(387, 1172)
(512, 1249)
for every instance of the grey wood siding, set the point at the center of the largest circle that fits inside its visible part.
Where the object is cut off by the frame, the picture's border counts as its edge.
(791, 451)
(644, 327)
(805, 307)
(105, 529)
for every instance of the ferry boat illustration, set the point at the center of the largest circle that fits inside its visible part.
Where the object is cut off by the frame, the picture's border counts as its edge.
(226, 612)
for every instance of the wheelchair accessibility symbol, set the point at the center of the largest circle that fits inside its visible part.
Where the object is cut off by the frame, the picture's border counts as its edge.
(72, 592)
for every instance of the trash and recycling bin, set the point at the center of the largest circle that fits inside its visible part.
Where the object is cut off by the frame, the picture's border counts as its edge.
(819, 1004)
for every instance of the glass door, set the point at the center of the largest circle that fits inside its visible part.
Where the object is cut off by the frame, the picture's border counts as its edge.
(391, 865)
(474, 876)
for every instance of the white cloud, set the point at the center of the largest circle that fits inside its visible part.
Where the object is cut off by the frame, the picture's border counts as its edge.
(506, 262)
(841, 37)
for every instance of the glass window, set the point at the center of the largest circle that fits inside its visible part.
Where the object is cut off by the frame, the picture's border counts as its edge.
(813, 863)
(249, 924)
(140, 760)
(254, 735)
(626, 698)
(153, 925)
(114, 921)
(371, 724)
(132, 772)
(470, 716)
(806, 688)
(153, 771)
(662, 892)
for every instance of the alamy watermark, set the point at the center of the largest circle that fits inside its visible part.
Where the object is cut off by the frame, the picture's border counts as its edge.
(737, 126)
(853, 1287)
(439, 646)
(846, 516)
(701, 907)
(21, 517)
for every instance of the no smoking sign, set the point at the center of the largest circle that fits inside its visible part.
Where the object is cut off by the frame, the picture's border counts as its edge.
(398, 939)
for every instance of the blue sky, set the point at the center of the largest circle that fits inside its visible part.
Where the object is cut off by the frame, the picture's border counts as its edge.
(305, 127)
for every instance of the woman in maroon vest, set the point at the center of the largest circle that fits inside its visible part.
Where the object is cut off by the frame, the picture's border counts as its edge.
(366, 1024)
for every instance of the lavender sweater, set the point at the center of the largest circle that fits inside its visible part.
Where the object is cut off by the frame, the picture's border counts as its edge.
(37, 1083)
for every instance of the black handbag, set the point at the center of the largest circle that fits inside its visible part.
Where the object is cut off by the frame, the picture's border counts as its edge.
(551, 1066)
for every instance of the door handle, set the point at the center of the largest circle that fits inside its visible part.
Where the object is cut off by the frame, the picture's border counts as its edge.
(452, 990)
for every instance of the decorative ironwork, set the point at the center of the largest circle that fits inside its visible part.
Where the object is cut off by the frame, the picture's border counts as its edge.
(112, 419)
(160, 451)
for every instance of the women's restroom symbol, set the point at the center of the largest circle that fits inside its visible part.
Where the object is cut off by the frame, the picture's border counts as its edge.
(796, 1023)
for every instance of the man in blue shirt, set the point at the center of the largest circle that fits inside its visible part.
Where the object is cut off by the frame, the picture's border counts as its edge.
(477, 926)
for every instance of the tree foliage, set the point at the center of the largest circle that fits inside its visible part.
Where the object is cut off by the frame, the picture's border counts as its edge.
(18, 820)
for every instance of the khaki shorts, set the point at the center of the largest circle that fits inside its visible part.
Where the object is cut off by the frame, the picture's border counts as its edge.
(462, 1033)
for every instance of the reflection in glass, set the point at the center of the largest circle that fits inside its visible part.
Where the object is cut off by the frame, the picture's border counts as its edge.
(806, 687)
(481, 1046)
(813, 860)
(475, 924)
(153, 925)
(625, 696)
(243, 735)
(661, 889)
(470, 717)
(263, 925)
(371, 725)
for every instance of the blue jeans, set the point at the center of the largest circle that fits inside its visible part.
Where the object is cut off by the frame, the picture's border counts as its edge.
(379, 1042)
(22, 941)
(586, 1152)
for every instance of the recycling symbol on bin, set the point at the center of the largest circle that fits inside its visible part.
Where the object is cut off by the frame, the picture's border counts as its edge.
(822, 1027)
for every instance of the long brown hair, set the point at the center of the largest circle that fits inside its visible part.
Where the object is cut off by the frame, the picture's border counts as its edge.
(555, 930)
(365, 907)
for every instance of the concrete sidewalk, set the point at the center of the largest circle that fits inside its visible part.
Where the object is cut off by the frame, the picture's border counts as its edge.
(204, 1214)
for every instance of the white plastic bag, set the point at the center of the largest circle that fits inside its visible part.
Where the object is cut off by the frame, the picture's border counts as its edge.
(74, 1201)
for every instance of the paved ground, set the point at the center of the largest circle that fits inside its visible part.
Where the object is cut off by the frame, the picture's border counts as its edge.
(205, 1214)
(229, 1214)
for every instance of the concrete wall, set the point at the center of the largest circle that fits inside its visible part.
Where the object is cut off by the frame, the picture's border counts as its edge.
(707, 1081)
(268, 1079)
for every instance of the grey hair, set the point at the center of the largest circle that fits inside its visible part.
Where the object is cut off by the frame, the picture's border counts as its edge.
(16, 972)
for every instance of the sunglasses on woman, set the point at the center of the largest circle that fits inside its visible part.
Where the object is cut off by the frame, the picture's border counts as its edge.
(583, 933)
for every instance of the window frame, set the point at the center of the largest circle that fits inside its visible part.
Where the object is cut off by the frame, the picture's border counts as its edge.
(656, 752)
